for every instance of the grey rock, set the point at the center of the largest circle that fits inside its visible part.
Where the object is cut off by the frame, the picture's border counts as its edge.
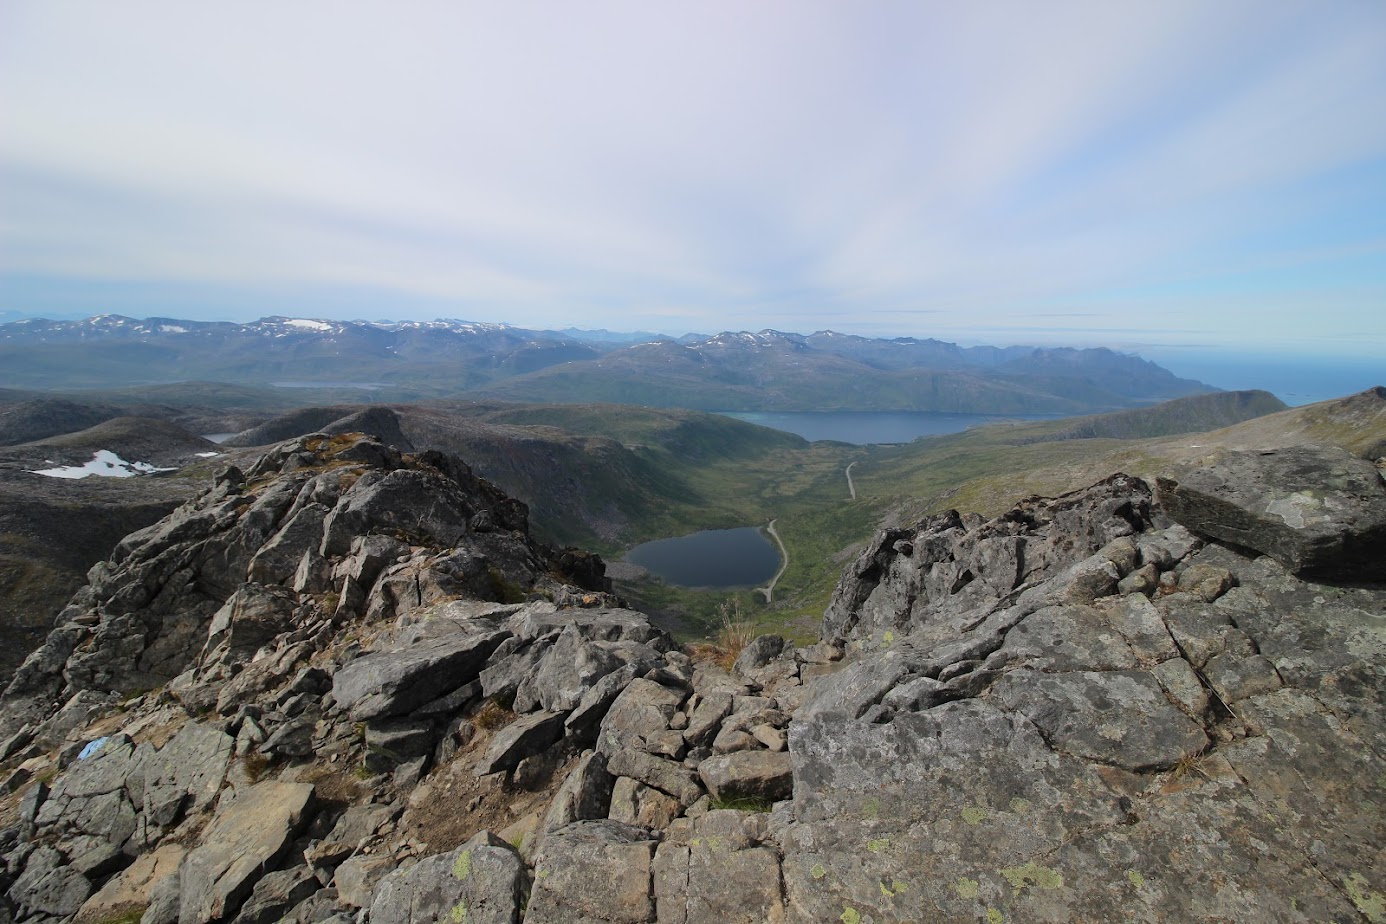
(570, 667)
(635, 803)
(395, 682)
(593, 872)
(276, 894)
(400, 740)
(1317, 510)
(523, 737)
(293, 739)
(1117, 717)
(584, 795)
(480, 882)
(356, 878)
(584, 722)
(642, 710)
(707, 718)
(90, 796)
(722, 876)
(665, 775)
(48, 886)
(760, 652)
(759, 775)
(241, 842)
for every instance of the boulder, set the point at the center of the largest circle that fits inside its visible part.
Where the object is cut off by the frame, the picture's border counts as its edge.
(1319, 511)
(49, 886)
(759, 775)
(593, 872)
(642, 710)
(523, 737)
(584, 795)
(240, 844)
(276, 894)
(722, 875)
(132, 888)
(396, 681)
(481, 882)
(669, 777)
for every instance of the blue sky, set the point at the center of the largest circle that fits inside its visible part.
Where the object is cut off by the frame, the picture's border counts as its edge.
(1140, 175)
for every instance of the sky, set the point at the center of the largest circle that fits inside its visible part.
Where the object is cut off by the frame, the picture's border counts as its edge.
(1147, 175)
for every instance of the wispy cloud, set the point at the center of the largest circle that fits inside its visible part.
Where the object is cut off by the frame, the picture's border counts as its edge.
(898, 168)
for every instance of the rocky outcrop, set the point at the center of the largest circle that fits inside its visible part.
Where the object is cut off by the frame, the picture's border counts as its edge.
(1318, 511)
(1081, 710)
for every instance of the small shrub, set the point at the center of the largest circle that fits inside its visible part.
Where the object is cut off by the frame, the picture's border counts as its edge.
(255, 766)
(492, 715)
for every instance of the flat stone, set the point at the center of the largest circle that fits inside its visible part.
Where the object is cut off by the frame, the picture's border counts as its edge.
(480, 882)
(760, 775)
(1117, 717)
(642, 711)
(664, 775)
(238, 846)
(527, 735)
(132, 887)
(1319, 511)
(395, 682)
(593, 872)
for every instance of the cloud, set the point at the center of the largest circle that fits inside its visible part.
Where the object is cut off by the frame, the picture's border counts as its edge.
(936, 166)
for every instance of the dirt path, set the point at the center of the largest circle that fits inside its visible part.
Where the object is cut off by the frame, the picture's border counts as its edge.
(769, 589)
(851, 487)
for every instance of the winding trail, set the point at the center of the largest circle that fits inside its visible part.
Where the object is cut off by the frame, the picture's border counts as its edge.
(769, 589)
(851, 487)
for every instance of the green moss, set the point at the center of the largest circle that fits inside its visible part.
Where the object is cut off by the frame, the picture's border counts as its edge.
(462, 866)
(974, 814)
(871, 808)
(849, 915)
(1032, 874)
(458, 914)
(967, 888)
(818, 872)
(994, 916)
(876, 845)
(1371, 903)
(1137, 880)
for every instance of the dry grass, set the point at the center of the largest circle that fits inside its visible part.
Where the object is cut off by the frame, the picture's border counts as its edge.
(492, 715)
(734, 635)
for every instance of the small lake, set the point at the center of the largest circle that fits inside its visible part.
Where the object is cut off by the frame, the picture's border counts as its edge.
(864, 427)
(742, 557)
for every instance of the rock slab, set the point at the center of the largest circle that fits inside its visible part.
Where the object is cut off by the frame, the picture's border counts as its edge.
(1319, 511)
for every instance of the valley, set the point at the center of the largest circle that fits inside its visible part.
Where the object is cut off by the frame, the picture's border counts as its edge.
(603, 477)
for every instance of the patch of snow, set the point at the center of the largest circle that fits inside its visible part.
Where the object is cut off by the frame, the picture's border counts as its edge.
(206, 455)
(307, 324)
(172, 329)
(105, 464)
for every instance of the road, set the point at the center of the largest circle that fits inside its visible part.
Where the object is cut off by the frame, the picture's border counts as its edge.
(851, 487)
(769, 589)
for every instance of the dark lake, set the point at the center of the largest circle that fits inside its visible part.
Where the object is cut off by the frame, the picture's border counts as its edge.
(864, 427)
(712, 558)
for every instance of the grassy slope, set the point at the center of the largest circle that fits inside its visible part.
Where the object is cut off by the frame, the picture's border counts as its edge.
(667, 472)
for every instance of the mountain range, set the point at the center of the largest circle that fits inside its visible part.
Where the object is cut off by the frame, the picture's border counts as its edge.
(737, 371)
